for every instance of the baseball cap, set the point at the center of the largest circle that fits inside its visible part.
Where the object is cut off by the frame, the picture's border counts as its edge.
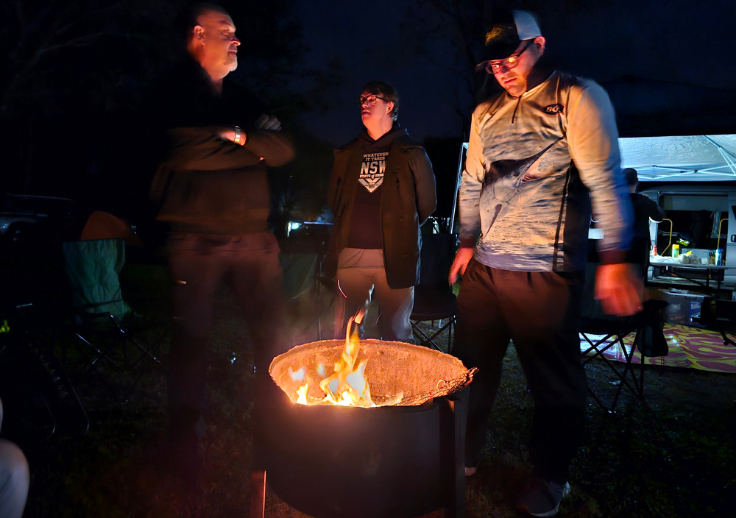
(504, 37)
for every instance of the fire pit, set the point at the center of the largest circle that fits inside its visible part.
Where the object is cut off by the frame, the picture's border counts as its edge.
(400, 455)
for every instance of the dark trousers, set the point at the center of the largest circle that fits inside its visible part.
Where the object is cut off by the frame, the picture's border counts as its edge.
(199, 265)
(538, 311)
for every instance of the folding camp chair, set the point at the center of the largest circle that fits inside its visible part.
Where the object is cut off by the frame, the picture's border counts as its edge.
(102, 321)
(720, 315)
(310, 294)
(30, 371)
(607, 333)
(434, 299)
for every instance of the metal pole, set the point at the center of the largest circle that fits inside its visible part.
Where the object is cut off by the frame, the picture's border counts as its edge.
(463, 147)
(258, 494)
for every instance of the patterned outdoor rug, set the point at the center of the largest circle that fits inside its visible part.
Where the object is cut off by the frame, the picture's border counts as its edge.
(690, 347)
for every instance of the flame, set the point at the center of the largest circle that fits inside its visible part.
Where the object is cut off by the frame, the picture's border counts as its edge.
(347, 386)
(302, 392)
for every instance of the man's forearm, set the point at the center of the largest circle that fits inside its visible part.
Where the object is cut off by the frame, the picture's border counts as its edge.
(275, 148)
(593, 144)
(469, 201)
(203, 149)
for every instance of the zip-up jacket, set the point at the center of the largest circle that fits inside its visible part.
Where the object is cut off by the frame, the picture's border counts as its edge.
(208, 185)
(533, 166)
(408, 198)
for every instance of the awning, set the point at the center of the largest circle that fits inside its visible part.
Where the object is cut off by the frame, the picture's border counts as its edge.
(681, 158)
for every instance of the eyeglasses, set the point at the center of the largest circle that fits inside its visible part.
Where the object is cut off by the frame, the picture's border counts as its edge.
(509, 63)
(370, 99)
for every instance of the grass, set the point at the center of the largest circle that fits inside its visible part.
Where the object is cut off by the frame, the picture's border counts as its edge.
(671, 455)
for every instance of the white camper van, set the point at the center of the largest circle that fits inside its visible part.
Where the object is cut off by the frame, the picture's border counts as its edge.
(694, 179)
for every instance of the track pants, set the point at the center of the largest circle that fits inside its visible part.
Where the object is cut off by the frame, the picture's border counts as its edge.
(539, 313)
(359, 271)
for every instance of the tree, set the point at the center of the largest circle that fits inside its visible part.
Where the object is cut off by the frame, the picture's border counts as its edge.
(272, 67)
(76, 72)
(68, 64)
(299, 189)
(448, 34)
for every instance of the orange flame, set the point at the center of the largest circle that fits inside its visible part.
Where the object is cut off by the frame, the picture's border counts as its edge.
(347, 386)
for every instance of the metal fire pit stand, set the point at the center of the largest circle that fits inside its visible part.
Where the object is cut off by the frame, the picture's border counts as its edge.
(454, 412)
(453, 419)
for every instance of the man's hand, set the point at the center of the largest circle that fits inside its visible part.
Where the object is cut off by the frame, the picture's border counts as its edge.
(619, 289)
(264, 122)
(460, 264)
(268, 123)
(226, 133)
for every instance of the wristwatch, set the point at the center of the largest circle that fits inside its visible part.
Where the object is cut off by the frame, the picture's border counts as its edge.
(239, 137)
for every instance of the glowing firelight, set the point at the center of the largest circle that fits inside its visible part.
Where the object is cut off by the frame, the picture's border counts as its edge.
(347, 386)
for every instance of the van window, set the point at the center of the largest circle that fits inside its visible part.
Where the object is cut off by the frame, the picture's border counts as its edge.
(696, 221)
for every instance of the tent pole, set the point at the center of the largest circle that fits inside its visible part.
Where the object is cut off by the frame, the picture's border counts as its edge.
(728, 157)
(463, 147)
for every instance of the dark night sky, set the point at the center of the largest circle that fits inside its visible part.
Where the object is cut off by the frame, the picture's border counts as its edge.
(678, 41)
(366, 37)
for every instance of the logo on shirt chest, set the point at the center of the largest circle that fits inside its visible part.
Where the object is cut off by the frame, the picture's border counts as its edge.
(553, 109)
(372, 170)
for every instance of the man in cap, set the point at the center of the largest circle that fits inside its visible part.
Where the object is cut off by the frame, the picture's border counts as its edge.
(539, 152)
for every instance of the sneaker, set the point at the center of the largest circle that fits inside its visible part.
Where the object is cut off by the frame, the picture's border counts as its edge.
(542, 497)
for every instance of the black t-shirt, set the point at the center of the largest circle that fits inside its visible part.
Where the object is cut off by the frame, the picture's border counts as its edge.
(365, 221)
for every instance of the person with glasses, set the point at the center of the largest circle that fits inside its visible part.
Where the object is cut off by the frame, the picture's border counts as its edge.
(381, 190)
(540, 152)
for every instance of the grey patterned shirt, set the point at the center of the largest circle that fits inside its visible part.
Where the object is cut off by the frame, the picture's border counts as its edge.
(534, 164)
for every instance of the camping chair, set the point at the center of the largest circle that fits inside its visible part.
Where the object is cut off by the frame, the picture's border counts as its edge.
(30, 370)
(102, 321)
(433, 296)
(605, 333)
(309, 294)
(720, 315)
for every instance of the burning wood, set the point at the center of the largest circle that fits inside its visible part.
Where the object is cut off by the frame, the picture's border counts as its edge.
(367, 373)
(347, 386)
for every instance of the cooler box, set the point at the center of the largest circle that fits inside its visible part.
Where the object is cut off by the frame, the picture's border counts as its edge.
(683, 306)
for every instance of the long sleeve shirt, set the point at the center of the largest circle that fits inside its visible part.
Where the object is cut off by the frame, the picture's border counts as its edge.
(534, 165)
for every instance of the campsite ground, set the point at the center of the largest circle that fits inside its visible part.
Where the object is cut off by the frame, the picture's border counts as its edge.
(671, 455)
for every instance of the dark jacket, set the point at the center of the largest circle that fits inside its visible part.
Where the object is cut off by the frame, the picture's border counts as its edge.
(408, 198)
(207, 185)
(641, 244)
